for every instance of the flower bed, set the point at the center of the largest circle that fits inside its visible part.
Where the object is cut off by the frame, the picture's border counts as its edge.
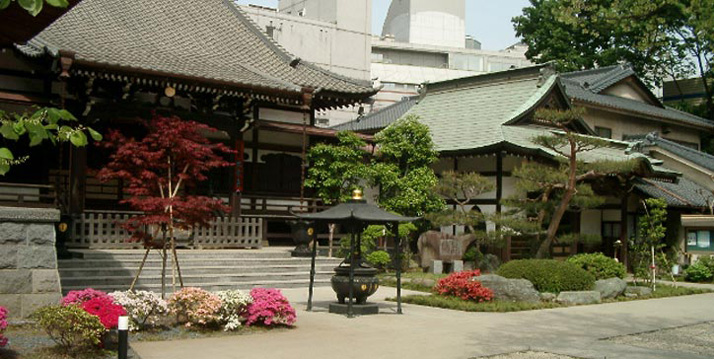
(79, 324)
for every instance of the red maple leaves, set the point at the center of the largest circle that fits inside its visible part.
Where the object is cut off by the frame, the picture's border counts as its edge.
(158, 169)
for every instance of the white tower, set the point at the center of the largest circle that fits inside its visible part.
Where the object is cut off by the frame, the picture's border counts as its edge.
(427, 22)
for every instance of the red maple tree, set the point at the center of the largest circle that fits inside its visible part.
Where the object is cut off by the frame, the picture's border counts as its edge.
(158, 170)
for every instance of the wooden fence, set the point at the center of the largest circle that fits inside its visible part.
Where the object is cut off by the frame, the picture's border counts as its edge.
(103, 230)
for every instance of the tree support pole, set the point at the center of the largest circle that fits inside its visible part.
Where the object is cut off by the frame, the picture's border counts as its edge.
(312, 273)
(398, 260)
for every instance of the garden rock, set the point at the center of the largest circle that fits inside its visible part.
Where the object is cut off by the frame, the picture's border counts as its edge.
(610, 288)
(581, 297)
(548, 297)
(520, 290)
(639, 291)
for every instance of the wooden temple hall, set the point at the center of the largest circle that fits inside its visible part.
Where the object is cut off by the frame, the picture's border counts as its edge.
(111, 63)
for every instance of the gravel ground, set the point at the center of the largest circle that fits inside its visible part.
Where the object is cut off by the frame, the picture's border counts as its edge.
(528, 355)
(696, 339)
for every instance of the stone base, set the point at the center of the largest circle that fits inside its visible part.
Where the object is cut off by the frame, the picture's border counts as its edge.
(357, 309)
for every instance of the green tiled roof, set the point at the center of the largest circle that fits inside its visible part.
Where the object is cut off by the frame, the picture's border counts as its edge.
(464, 116)
(480, 113)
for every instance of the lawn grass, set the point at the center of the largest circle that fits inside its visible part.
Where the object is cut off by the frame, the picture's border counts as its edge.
(472, 306)
(455, 303)
(389, 280)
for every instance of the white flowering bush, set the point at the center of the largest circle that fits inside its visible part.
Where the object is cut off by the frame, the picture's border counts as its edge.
(144, 308)
(233, 308)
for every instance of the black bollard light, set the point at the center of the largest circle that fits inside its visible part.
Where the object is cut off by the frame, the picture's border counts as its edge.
(123, 329)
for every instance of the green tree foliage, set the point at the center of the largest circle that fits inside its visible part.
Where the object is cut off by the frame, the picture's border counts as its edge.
(546, 192)
(402, 169)
(460, 188)
(34, 6)
(335, 170)
(660, 38)
(49, 124)
(651, 236)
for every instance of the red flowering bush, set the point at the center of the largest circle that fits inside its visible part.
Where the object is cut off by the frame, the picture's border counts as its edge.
(464, 286)
(80, 296)
(3, 325)
(104, 308)
(269, 307)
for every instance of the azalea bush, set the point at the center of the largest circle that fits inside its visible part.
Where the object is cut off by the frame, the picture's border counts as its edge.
(105, 309)
(144, 308)
(3, 325)
(195, 306)
(71, 327)
(269, 308)
(463, 285)
(234, 305)
(77, 297)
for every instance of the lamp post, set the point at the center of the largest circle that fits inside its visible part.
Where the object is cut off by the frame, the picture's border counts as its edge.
(123, 329)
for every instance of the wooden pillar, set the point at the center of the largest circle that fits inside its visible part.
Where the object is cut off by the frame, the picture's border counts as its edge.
(506, 253)
(77, 179)
(256, 143)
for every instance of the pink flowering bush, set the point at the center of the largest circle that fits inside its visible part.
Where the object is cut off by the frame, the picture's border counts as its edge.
(463, 285)
(3, 325)
(195, 306)
(78, 297)
(105, 309)
(269, 308)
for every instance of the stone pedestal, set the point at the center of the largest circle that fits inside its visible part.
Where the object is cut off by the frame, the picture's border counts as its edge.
(28, 260)
(437, 267)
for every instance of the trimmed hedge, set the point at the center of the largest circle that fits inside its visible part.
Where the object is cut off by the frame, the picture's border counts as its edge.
(549, 275)
(599, 265)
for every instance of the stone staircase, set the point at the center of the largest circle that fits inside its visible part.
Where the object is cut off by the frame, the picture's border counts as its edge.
(213, 270)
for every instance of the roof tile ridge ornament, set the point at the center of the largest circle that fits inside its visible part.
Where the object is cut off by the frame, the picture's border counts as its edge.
(546, 72)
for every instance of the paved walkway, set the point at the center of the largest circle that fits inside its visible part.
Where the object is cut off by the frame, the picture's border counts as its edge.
(424, 332)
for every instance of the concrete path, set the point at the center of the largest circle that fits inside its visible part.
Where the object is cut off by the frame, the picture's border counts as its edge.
(424, 332)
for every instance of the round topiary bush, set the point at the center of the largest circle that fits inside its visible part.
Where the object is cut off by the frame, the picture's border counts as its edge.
(548, 275)
(599, 265)
(698, 272)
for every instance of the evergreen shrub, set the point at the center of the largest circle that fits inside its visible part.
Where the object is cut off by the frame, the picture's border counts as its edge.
(548, 275)
(599, 265)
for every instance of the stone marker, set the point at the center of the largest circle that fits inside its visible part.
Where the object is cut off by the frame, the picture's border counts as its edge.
(582, 297)
(437, 266)
(521, 290)
(457, 266)
(444, 247)
(548, 297)
(610, 288)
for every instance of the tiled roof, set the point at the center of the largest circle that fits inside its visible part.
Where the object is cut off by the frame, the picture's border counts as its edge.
(207, 40)
(379, 119)
(683, 193)
(469, 113)
(698, 157)
(587, 86)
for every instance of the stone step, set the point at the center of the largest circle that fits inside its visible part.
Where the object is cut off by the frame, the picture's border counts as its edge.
(213, 287)
(188, 262)
(192, 270)
(191, 279)
(205, 254)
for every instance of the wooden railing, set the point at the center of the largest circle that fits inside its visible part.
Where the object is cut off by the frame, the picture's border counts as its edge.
(27, 195)
(102, 229)
(275, 206)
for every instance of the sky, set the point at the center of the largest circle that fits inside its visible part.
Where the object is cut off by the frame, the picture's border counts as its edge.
(489, 21)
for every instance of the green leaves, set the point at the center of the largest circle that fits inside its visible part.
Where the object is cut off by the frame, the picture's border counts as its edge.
(78, 138)
(43, 124)
(32, 6)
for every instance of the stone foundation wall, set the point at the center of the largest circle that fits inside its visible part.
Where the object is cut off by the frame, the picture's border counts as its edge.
(28, 260)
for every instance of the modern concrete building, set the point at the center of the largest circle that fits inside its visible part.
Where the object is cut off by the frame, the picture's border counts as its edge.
(333, 34)
(425, 41)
